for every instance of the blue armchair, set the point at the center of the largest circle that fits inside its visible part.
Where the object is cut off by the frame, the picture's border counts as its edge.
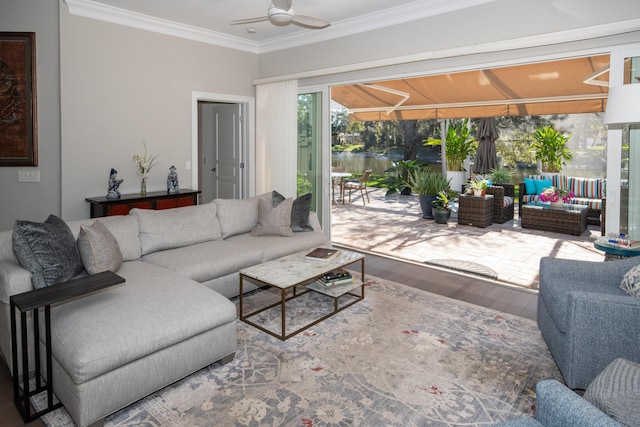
(557, 405)
(585, 318)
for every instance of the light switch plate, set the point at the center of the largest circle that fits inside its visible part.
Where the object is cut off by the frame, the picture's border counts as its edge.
(28, 176)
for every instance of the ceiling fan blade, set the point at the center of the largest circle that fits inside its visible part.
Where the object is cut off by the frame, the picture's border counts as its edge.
(249, 20)
(282, 4)
(310, 21)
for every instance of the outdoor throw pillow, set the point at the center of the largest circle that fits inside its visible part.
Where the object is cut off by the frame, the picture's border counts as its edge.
(99, 249)
(529, 186)
(299, 211)
(541, 184)
(631, 282)
(47, 250)
(616, 391)
(273, 221)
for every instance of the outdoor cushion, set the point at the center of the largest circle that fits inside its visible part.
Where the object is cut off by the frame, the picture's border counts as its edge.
(591, 188)
(530, 186)
(99, 250)
(542, 184)
(47, 250)
(507, 201)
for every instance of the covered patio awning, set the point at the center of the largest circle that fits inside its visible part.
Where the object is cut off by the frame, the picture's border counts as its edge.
(569, 86)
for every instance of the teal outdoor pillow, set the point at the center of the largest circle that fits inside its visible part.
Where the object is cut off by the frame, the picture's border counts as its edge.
(541, 184)
(529, 186)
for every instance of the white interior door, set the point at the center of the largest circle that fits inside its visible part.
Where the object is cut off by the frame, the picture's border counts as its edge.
(220, 130)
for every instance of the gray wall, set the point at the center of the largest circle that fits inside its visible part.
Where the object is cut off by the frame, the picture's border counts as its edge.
(121, 87)
(35, 201)
(498, 21)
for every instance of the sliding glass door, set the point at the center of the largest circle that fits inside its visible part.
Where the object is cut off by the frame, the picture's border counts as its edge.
(309, 177)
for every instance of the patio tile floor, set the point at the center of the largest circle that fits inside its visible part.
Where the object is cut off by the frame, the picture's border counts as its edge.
(394, 226)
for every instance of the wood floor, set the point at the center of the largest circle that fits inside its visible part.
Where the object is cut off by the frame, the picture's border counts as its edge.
(461, 287)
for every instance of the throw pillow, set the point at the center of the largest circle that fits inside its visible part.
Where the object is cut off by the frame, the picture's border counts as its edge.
(616, 391)
(47, 250)
(541, 184)
(631, 281)
(99, 249)
(273, 221)
(529, 186)
(299, 211)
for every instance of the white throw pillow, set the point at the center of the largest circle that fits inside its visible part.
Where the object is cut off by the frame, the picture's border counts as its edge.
(631, 282)
(273, 221)
(99, 249)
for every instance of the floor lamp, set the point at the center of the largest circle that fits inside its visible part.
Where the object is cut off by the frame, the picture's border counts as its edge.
(623, 107)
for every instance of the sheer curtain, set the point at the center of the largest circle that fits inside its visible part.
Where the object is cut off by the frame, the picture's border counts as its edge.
(276, 137)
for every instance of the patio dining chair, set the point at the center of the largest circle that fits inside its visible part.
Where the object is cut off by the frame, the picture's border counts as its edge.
(359, 184)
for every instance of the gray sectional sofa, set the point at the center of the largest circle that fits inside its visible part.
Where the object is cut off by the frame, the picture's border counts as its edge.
(170, 318)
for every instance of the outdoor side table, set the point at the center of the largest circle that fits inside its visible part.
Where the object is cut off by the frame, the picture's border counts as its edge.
(614, 251)
(475, 210)
(33, 301)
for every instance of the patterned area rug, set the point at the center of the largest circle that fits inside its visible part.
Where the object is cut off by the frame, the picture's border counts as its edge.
(400, 357)
(464, 266)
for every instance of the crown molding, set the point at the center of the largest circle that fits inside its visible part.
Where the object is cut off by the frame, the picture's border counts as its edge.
(393, 16)
(115, 15)
(380, 19)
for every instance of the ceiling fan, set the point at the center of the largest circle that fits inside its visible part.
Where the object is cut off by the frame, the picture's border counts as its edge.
(281, 13)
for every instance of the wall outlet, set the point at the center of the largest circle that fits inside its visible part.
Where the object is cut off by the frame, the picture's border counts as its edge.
(28, 176)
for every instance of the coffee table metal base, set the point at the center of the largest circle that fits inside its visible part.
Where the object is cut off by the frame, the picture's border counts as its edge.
(290, 293)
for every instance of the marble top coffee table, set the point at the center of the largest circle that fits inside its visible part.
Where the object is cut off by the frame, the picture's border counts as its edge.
(291, 278)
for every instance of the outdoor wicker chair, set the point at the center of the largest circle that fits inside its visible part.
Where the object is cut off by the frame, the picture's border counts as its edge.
(359, 184)
(502, 202)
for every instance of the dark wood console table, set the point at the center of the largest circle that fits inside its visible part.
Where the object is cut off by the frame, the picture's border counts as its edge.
(33, 301)
(101, 206)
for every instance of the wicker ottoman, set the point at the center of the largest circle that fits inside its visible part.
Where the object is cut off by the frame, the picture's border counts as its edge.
(476, 211)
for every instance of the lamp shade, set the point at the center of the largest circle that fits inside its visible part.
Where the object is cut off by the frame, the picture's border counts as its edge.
(623, 105)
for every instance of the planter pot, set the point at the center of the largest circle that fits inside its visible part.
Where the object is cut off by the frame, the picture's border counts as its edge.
(425, 204)
(456, 179)
(441, 215)
(406, 191)
(478, 193)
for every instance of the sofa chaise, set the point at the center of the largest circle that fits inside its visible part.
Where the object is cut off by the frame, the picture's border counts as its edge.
(173, 315)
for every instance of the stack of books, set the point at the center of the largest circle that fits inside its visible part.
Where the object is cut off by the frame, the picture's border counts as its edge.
(335, 278)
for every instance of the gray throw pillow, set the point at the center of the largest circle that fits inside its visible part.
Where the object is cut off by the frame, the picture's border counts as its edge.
(616, 391)
(99, 249)
(299, 211)
(631, 282)
(47, 250)
(273, 221)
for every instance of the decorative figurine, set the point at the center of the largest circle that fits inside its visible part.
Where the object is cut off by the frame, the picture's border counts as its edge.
(114, 183)
(172, 181)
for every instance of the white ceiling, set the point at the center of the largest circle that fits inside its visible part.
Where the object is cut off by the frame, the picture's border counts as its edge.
(210, 20)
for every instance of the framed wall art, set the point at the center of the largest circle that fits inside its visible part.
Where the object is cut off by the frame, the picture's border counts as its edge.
(18, 127)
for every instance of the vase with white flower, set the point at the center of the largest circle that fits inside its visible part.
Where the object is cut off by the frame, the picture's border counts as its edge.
(556, 197)
(144, 164)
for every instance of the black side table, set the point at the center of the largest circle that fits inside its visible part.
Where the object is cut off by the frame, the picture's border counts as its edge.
(34, 300)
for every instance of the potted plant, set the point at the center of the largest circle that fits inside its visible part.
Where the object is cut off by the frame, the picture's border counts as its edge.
(478, 185)
(441, 206)
(397, 177)
(427, 183)
(550, 147)
(501, 176)
(459, 144)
